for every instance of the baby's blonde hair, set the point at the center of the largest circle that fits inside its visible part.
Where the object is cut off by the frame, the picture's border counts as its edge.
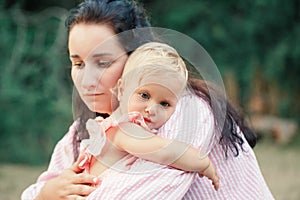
(155, 58)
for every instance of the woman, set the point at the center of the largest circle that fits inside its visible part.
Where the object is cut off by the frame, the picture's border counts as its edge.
(91, 23)
(240, 178)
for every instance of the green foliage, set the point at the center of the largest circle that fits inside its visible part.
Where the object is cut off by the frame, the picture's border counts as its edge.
(35, 85)
(247, 37)
(244, 37)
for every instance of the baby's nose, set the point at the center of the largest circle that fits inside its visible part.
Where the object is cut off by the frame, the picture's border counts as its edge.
(151, 108)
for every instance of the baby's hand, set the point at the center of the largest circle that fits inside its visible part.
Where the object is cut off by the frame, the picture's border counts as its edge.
(211, 173)
(97, 138)
(93, 128)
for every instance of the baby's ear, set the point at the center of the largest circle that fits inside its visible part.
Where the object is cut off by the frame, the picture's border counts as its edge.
(120, 89)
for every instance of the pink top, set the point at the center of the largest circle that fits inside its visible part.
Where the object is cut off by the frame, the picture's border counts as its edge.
(97, 129)
(192, 122)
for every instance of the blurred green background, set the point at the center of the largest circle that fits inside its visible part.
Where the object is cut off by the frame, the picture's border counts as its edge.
(255, 44)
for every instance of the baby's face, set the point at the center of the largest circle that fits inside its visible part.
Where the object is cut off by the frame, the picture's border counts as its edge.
(155, 100)
(156, 103)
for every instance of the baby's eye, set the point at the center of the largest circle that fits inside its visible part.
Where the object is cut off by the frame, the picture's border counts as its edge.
(144, 95)
(104, 64)
(164, 104)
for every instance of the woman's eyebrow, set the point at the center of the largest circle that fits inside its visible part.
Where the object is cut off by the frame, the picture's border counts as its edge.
(102, 54)
(95, 55)
(74, 56)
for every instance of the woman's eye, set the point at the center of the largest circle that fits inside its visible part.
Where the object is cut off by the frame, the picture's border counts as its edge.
(144, 95)
(79, 65)
(164, 104)
(104, 64)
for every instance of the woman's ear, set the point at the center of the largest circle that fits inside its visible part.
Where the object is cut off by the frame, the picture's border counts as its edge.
(120, 89)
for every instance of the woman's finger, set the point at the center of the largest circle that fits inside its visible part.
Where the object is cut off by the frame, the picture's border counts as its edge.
(84, 178)
(75, 197)
(81, 190)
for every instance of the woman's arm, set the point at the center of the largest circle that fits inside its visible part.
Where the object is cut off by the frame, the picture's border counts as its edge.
(71, 183)
(60, 173)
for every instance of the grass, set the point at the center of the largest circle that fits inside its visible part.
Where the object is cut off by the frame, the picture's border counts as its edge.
(15, 178)
(279, 165)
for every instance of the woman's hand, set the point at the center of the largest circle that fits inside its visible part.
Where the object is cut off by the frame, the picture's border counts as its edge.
(211, 173)
(71, 184)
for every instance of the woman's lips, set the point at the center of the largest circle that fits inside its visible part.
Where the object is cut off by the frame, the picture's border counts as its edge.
(93, 94)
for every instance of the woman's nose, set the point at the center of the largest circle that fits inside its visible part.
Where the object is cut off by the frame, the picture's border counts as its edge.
(90, 78)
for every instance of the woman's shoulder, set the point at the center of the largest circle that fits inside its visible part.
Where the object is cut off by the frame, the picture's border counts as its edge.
(73, 127)
(68, 137)
(193, 100)
(191, 107)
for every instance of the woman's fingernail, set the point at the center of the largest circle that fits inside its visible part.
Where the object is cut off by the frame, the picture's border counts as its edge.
(95, 180)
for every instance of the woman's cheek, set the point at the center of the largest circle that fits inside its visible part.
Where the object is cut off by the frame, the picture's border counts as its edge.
(75, 76)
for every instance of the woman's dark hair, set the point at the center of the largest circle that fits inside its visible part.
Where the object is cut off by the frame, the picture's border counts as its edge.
(230, 138)
(120, 15)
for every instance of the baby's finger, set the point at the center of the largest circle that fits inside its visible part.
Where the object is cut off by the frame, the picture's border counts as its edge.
(216, 183)
(76, 167)
(201, 174)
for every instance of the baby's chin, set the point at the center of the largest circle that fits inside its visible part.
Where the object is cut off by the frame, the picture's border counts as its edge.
(152, 126)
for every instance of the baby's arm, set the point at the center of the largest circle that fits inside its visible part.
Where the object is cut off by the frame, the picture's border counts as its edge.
(151, 147)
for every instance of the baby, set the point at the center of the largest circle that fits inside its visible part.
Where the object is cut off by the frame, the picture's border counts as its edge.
(153, 80)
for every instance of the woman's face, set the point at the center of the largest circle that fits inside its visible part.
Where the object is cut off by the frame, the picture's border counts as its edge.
(96, 66)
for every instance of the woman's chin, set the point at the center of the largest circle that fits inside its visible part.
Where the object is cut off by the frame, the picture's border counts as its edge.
(101, 105)
(100, 108)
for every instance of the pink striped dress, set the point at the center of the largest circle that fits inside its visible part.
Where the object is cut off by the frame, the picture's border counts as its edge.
(193, 123)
